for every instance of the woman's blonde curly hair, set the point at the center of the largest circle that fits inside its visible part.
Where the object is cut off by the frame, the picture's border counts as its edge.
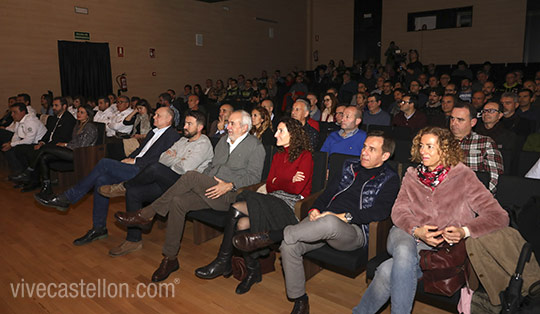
(449, 148)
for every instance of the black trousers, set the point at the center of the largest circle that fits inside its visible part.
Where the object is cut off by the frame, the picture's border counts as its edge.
(48, 154)
(148, 185)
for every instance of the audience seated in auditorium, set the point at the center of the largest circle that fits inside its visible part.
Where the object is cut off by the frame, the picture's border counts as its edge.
(409, 116)
(375, 115)
(340, 217)
(491, 126)
(300, 112)
(349, 139)
(165, 101)
(433, 206)
(330, 103)
(218, 128)
(116, 126)
(262, 126)
(59, 130)
(314, 112)
(511, 120)
(84, 134)
(109, 171)
(27, 101)
(480, 152)
(104, 112)
(238, 162)
(191, 152)
(27, 130)
(289, 180)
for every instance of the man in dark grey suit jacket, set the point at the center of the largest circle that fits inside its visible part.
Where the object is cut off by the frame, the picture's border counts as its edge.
(238, 161)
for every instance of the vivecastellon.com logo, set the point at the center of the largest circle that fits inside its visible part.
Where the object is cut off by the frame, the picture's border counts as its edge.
(98, 289)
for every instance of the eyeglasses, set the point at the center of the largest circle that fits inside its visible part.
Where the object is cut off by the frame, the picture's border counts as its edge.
(490, 111)
(404, 102)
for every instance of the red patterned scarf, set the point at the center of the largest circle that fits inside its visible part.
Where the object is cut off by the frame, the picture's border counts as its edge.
(431, 178)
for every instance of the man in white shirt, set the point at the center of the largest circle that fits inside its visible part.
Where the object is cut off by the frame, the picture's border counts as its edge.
(116, 125)
(27, 129)
(104, 113)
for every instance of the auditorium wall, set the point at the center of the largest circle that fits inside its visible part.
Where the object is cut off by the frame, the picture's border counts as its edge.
(497, 33)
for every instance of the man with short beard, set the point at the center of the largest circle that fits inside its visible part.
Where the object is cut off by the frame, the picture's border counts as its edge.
(489, 90)
(192, 152)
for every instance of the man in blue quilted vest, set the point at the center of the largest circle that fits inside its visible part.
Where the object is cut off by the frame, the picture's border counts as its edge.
(340, 217)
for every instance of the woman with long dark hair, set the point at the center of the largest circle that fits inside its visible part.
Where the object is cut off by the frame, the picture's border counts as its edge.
(84, 134)
(289, 180)
(262, 126)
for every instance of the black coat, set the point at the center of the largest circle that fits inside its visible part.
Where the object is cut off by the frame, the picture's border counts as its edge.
(165, 141)
(63, 131)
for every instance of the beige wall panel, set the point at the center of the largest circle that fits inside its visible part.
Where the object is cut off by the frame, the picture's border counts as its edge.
(234, 42)
(333, 22)
(497, 33)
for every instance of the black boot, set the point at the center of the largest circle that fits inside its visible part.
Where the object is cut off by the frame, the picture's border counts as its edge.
(222, 264)
(46, 189)
(253, 274)
(23, 177)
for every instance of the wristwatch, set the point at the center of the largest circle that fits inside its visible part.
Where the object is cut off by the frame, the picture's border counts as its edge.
(348, 217)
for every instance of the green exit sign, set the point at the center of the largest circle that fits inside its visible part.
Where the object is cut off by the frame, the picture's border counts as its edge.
(82, 35)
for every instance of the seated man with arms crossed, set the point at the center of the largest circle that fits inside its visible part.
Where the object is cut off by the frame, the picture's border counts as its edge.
(336, 217)
(192, 152)
(238, 161)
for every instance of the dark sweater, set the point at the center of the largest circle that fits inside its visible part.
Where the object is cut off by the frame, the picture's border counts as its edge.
(349, 199)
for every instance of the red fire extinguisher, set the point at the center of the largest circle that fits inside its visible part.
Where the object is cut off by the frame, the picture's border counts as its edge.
(121, 80)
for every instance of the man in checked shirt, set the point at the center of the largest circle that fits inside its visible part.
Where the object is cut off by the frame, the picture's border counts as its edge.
(481, 153)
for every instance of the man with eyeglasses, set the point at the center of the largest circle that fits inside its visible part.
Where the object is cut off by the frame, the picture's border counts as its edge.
(450, 89)
(409, 116)
(492, 114)
(480, 152)
(116, 124)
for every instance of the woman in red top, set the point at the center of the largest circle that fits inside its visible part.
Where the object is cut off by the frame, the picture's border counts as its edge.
(289, 180)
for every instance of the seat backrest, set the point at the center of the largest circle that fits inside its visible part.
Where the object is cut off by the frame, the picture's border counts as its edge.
(515, 190)
(526, 161)
(484, 177)
(320, 164)
(402, 153)
(270, 151)
(335, 164)
(100, 131)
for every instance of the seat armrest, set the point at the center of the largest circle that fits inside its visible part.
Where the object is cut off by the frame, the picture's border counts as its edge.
(85, 158)
(378, 235)
(302, 207)
(253, 187)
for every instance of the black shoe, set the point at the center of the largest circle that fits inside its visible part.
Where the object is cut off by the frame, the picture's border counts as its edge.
(46, 190)
(91, 235)
(220, 266)
(59, 202)
(23, 177)
(301, 306)
(30, 186)
(253, 276)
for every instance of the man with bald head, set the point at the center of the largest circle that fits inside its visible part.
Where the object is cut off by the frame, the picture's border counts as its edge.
(491, 126)
(238, 162)
(300, 112)
(110, 171)
(218, 128)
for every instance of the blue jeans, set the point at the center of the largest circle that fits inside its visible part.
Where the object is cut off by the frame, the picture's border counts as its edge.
(107, 171)
(396, 278)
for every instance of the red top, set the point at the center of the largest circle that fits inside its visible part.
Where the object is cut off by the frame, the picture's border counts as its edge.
(283, 171)
(314, 124)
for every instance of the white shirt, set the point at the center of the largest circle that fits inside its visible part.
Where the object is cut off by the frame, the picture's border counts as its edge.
(534, 173)
(73, 111)
(117, 123)
(104, 116)
(152, 140)
(28, 131)
(31, 110)
(238, 140)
